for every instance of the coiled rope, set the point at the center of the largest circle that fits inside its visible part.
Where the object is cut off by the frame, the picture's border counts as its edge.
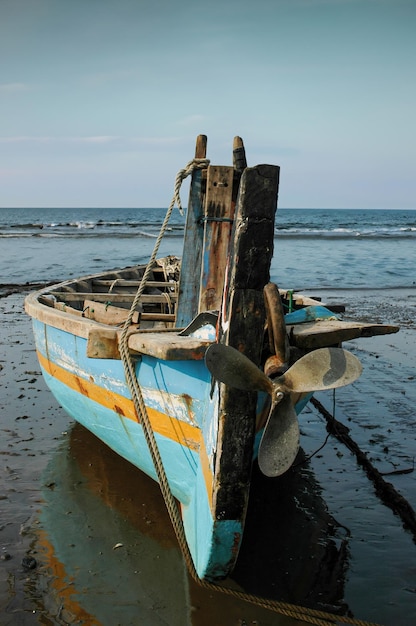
(311, 616)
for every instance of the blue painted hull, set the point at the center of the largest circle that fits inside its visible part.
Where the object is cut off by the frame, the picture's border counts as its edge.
(178, 398)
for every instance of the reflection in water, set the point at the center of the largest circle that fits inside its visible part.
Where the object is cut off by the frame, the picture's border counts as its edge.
(112, 558)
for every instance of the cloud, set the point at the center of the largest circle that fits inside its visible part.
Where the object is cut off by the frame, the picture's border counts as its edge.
(13, 87)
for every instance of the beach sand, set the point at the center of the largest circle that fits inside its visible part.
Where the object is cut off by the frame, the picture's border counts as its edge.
(50, 468)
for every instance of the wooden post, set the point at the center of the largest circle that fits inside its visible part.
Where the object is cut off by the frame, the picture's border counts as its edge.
(239, 155)
(218, 221)
(243, 328)
(189, 284)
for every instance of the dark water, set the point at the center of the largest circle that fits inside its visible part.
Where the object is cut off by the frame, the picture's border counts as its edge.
(318, 537)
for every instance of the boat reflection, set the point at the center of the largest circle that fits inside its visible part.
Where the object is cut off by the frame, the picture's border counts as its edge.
(111, 557)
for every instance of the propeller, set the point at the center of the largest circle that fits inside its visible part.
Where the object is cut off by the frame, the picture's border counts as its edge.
(325, 368)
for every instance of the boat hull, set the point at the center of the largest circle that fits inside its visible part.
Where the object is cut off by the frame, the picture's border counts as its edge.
(184, 418)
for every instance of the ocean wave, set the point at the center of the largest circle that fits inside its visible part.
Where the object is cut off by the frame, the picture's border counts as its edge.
(16, 235)
(338, 234)
(90, 232)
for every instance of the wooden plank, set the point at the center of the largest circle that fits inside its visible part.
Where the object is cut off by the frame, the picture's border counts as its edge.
(320, 334)
(250, 259)
(102, 343)
(123, 283)
(254, 227)
(243, 325)
(218, 221)
(71, 323)
(192, 247)
(171, 347)
(60, 306)
(107, 313)
(158, 317)
(79, 296)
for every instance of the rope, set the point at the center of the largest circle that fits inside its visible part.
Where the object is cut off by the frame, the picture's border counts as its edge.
(129, 368)
(181, 175)
(311, 616)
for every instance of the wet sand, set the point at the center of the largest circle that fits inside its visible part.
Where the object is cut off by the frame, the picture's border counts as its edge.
(85, 539)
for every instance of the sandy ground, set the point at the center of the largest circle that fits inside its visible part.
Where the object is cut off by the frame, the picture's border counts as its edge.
(313, 552)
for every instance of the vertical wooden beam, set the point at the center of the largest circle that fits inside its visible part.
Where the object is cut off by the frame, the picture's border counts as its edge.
(189, 283)
(218, 221)
(243, 328)
(253, 239)
(239, 155)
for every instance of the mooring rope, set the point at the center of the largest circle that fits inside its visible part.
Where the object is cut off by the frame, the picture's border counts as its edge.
(307, 615)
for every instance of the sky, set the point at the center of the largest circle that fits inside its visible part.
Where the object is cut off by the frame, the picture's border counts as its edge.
(101, 100)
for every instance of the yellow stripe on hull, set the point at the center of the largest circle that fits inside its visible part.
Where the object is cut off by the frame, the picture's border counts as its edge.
(176, 430)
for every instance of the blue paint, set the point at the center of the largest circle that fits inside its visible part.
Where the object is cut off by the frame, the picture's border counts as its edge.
(212, 543)
(310, 314)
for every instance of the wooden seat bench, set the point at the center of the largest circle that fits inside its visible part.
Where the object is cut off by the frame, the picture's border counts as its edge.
(168, 346)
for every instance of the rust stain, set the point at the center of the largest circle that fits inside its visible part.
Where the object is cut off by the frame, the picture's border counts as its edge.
(188, 402)
(236, 544)
(83, 389)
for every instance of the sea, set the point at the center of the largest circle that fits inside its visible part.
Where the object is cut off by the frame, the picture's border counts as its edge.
(314, 248)
(320, 537)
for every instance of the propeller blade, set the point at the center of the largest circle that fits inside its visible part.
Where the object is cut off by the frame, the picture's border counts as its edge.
(234, 369)
(279, 444)
(321, 369)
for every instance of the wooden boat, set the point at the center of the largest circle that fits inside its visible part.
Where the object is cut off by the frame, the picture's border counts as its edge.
(186, 368)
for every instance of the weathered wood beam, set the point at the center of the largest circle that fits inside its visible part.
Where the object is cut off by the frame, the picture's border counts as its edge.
(103, 344)
(192, 247)
(107, 313)
(323, 333)
(239, 155)
(218, 222)
(74, 296)
(251, 254)
(119, 282)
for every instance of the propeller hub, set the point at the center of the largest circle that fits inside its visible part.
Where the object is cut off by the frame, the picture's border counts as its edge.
(277, 396)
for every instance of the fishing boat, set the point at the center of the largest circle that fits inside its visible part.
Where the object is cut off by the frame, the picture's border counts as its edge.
(193, 369)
